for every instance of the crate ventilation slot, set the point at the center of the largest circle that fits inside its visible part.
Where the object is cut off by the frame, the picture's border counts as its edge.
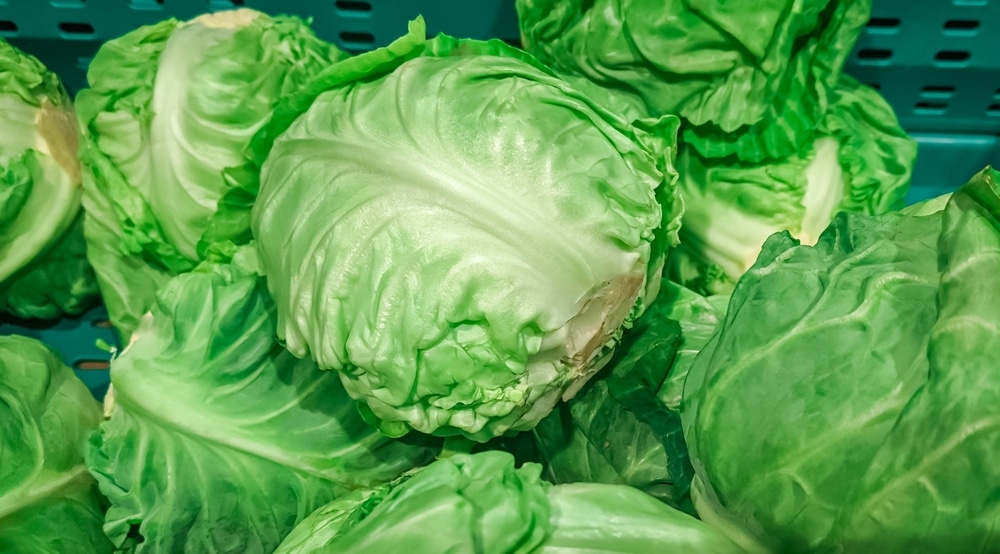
(883, 24)
(962, 25)
(353, 6)
(77, 29)
(874, 55)
(355, 37)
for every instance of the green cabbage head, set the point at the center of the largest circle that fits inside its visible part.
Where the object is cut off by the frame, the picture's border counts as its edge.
(43, 265)
(861, 161)
(482, 503)
(48, 501)
(751, 79)
(169, 111)
(461, 233)
(848, 402)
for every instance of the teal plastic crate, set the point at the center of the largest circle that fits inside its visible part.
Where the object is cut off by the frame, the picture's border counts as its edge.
(935, 61)
(76, 338)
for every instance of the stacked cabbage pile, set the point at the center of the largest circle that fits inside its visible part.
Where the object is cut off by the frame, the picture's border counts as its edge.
(644, 285)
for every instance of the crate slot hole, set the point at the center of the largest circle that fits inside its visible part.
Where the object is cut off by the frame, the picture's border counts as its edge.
(8, 26)
(874, 56)
(993, 110)
(961, 25)
(930, 108)
(92, 365)
(146, 4)
(70, 28)
(883, 23)
(355, 37)
(515, 42)
(67, 3)
(353, 6)
(997, 93)
(952, 57)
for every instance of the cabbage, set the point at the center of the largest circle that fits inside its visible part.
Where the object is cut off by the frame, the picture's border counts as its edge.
(169, 112)
(849, 400)
(48, 501)
(466, 245)
(219, 440)
(482, 503)
(43, 266)
(861, 162)
(750, 80)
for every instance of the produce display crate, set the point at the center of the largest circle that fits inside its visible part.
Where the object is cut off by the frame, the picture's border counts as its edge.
(935, 61)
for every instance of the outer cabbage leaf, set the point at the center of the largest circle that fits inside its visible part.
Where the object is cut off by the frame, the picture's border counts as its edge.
(169, 112)
(219, 440)
(819, 352)
(466, 247)
(627, 521)
(327, 523)
(699, 317)
(862, 163)
(48, 501)
(872, 352)
(934, 484)
(59, 282)
(43, 270)
(928, 207)
(481, 503)
(752, 79)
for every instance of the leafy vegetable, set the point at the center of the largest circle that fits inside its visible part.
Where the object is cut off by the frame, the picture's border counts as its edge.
(218, 439)
(43, 268)
(699, 317)
(630, 521)
(616, 430)
(170, 110)
(847, 404)
(861, 162)
(466, 247)
(481, 503)
(48, 501)
(929, 206)
(933, 484)
(752, 80)
(624, 427)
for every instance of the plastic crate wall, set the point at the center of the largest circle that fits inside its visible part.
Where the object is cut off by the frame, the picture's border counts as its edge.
(76, 339)
(936, 61)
